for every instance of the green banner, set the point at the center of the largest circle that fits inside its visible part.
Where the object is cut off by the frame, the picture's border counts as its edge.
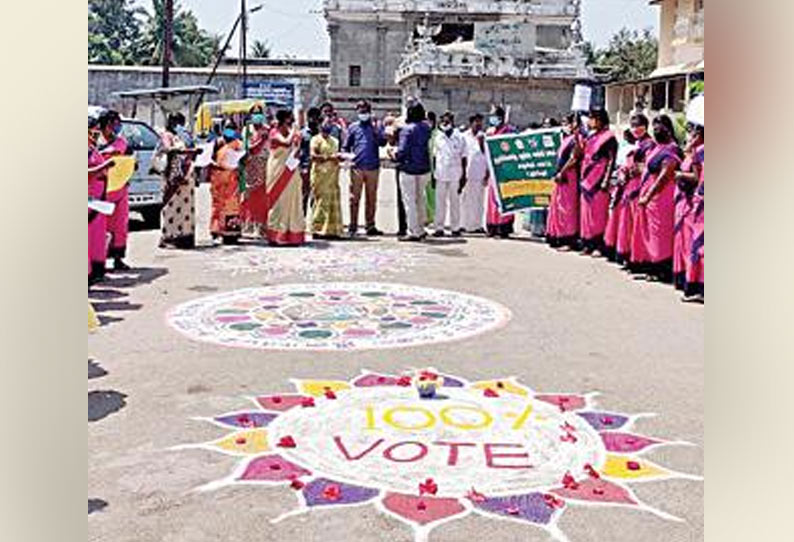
(523, 166)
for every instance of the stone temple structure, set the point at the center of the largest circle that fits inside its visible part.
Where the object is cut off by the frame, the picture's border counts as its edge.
(455, 54)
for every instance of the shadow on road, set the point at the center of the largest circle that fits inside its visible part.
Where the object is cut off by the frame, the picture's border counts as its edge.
(96, 505)
(107, 296)
(102, 404)
(95, 370)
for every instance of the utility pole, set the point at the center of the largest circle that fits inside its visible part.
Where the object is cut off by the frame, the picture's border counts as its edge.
(243, 43)
(168, 38)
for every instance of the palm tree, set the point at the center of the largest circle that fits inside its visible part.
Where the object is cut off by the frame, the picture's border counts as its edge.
(260, 49)
(192, 45)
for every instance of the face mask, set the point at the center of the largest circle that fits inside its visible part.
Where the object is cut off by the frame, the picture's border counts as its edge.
(364, 117)
(493, 120)
(475, 130)
(117, 129)
(327, 128)
(567, 130)
(229, 134)
(661, 134)
(638, 131)
(258, 118)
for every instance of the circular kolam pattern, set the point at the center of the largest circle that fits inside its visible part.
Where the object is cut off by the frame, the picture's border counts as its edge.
(493, 447)
(336, 316)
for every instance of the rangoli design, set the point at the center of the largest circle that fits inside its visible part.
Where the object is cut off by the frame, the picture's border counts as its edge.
(333, 262)
(428, 448)
(336, 316)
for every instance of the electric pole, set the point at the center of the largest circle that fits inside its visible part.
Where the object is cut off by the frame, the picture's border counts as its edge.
(243, 43)
(168, 38)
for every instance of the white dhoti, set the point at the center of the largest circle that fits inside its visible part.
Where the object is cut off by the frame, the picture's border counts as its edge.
(473, 204)
(447, 197)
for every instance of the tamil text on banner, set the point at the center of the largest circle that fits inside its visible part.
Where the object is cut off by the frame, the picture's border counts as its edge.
(523, 166)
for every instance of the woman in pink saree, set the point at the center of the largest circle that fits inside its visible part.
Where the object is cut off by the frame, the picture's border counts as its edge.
(562, 224)
(632, 173)
(286, 224)
(118, 222)
(600, 151)
(616, 190)
(686, 183)
(497, 223)
(652, 239)
(97, 223)
(694, 289)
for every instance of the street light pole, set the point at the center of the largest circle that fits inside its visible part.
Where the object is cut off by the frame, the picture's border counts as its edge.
(168, 37)
(243, 43)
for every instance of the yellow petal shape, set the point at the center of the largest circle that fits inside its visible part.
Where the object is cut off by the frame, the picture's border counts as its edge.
(318, 387)
(617, 466)
(249, 442)
(500, 386)
(93, 321)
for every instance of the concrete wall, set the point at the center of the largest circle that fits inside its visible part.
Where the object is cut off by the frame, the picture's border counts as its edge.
(103, 81)
(529, 101)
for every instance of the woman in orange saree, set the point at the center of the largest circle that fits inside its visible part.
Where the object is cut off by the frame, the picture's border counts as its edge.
(286, 224)
(225, 189)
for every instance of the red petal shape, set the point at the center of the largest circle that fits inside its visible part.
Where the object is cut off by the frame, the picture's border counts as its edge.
(286, 442)
(273, 468)
(280, 403)
(490, 393)
(626, 442)
(565, 402)
(596, 490)
(433, 509)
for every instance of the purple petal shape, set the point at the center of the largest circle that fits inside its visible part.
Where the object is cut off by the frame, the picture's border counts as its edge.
(247, 419)
(531, 507)
(348, 494)
(602, 421)
(452, 382)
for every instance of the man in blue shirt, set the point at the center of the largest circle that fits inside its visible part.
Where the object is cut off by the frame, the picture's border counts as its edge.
(413, 161)
(364, 137)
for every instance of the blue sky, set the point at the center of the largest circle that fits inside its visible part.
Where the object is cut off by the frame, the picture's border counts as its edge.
(297, 27)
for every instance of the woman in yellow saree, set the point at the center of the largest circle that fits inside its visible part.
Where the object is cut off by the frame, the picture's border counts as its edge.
(326, 209)
(286, 224)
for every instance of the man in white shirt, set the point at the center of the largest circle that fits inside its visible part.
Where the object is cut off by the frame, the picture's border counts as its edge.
(473, 199)
(450, 165)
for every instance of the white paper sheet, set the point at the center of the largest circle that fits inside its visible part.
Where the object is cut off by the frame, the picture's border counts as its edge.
(232, 159)
(204, 159)
(104, 207)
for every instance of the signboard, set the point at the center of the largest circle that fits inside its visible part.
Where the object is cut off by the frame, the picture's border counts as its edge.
(504, 39)
(272, 92)
(522, 166)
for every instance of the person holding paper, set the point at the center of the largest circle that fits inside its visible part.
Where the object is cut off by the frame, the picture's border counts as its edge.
(225, 187)
(253, 209)
(98, 167)
(286, 222)
(497, 224)
(450, 164)
(600, 151)
(562, 224)
(652, 239)
(473, 197)
(327, 208)
(413, 160)
(113, 144)
(178, 215)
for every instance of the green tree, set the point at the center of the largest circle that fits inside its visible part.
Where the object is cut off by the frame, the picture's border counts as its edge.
(260, 49)
(630, 54)
(113, 31)
(192, 45)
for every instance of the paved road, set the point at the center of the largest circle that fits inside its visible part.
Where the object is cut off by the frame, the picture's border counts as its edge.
(578, 325)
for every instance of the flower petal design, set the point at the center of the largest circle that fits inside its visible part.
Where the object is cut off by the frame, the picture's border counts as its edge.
(280, 403)
(626, 442)
(596, 490)
(272, 468)
(317, 388)
(452, 382)
(372, 380)
(602, 421)
(422, 510)
(246, 419)
(619, 466)
(501, 386)
(317, 493)
(253, 441)
(531, 507)
(564, 401)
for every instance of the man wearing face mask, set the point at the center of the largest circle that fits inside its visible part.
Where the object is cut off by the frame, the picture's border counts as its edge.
(473, 197)
(364, 137)
(112, 143)
(450, 164)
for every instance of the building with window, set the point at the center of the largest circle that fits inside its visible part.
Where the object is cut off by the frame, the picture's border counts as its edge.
(455, 54)
(680, 63)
